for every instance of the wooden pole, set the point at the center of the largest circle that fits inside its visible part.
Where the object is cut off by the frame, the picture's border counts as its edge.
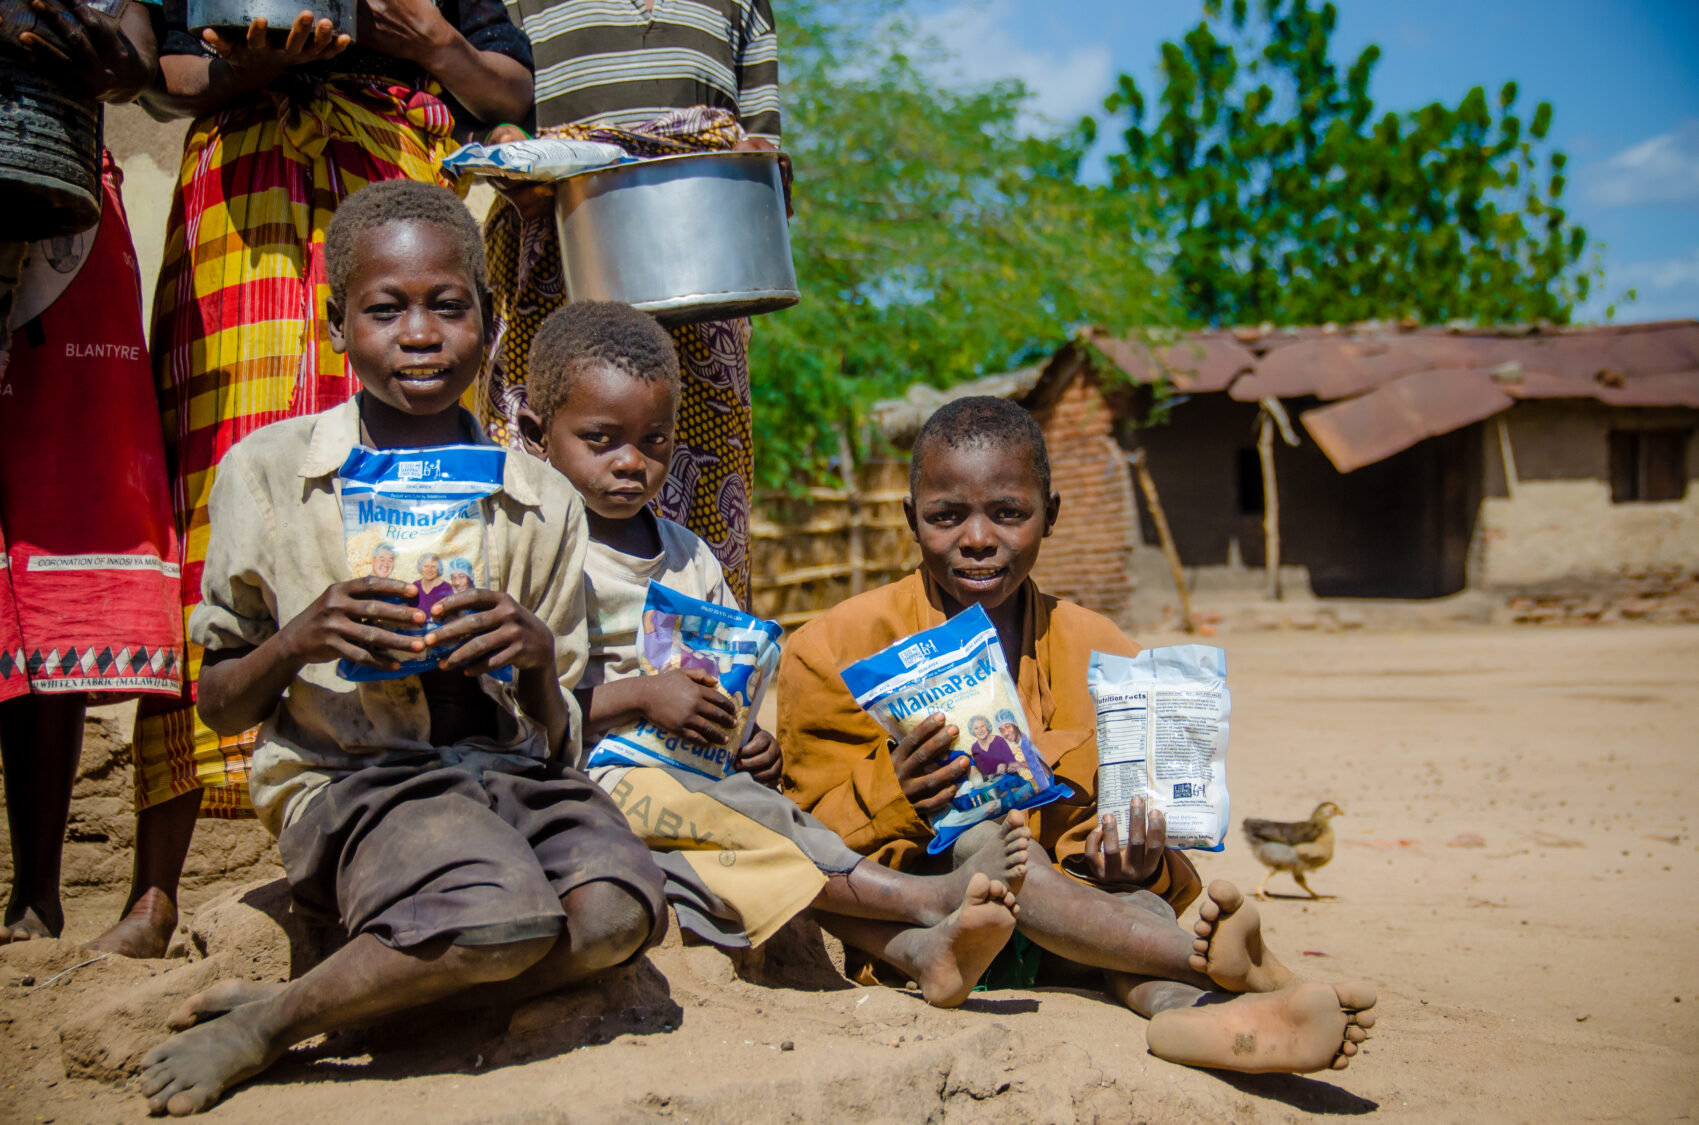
(857, 517)
(1270, 505)
(1148, 486)
(1273, 418)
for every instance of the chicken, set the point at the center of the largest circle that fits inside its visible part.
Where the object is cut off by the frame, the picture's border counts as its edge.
(1295, 846)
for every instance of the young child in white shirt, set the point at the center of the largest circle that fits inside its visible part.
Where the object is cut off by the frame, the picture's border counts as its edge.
(740, 858)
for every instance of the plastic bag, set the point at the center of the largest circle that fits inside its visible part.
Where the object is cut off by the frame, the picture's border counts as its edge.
(1162, 735)
(543, 159)
(417, 515)
(958, 669)
(684, 632)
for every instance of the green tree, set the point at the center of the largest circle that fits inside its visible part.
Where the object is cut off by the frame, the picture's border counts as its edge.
(1283, 198)
(936, 237)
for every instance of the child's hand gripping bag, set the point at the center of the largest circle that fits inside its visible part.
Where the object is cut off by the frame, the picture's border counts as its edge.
(417, 515)
(1162, 735)
(740, 650)
(958, 669)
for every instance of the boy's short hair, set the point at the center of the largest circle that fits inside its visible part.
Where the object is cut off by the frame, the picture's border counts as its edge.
(585, 332)
(975, 422)
(401, 201)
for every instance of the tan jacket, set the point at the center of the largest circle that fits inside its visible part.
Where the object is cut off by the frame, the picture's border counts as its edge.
(838, 767)
(276, 543)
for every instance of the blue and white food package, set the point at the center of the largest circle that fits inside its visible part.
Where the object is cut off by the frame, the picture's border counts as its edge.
(541, 158)
(418, 515)
(958, 669)
(678, 631)
(1162, 735)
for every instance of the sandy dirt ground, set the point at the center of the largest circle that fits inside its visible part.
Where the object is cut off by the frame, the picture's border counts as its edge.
(1515, 874)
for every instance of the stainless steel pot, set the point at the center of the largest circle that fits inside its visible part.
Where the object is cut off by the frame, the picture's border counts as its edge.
(687, 238)
(279, 14)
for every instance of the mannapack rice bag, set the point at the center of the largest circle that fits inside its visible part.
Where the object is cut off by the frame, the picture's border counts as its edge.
(678, 631)
(958, 669)
(417, 515)
(1162, 735)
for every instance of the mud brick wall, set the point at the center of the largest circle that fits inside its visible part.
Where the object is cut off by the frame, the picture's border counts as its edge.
(1089, 557)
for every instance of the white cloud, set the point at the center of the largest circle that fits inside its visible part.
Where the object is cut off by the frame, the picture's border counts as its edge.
(1669, 273)
(983, 38)
(1663, 170)
(1664, 289)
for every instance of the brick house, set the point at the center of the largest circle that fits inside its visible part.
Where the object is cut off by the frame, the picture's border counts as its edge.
(1425, 461)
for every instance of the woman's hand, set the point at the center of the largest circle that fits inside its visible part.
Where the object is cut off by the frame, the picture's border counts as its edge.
(414, 30)
(532, 199)
(786, 173)
(254, 53)
(110, 56)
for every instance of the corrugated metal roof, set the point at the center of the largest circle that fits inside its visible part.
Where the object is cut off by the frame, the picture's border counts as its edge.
(1397, 415)
(1402, 382)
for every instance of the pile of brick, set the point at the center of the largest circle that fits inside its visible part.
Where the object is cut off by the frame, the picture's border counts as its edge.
(1658, 596)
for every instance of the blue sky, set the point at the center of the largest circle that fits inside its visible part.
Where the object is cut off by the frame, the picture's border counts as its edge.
(1622, 77)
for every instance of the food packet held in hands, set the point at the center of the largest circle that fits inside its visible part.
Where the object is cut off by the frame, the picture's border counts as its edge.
(957, 669)
(678, 631)
(1162, 735)
(417, 515)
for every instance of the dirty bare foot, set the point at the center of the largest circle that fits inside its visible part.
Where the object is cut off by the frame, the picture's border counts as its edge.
(949, 958)
(1229, 949)
(1002, 860)
(189, 1072)
(144, 931)
(223, 997)
(25, 923)
(1298, 1030)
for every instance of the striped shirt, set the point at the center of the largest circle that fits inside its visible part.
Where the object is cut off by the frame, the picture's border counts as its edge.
(611, 62)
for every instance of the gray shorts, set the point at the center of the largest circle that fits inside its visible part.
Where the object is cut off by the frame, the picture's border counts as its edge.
(409, 853)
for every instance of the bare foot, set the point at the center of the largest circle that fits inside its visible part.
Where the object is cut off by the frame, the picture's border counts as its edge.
(1298, 1030)
(1002, 860)
(189, 1072)
(223, 997)
(144, 931)
(951, 956)
(25, 923)
(1229, 949)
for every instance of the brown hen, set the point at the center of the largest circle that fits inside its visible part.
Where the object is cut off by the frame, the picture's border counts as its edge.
(1295, 846)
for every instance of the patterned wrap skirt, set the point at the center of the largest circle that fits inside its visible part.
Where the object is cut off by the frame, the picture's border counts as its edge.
(708, 489)
(240, 337)
(88, 551)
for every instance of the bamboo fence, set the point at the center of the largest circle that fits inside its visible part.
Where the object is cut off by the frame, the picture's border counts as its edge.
(810, 553)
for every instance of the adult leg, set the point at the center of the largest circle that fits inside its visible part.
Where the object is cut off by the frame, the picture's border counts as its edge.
(41, 740)
(363, 981)
(163, 834)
